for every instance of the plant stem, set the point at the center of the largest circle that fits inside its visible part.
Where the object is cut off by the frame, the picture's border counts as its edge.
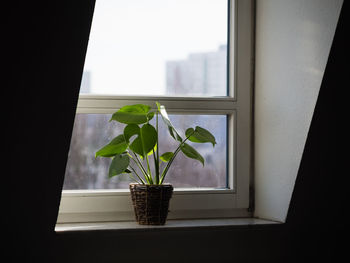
(133, 178)
(148, 167)
(142, 181)
(149, 170)
(156, 158)
(145, 154)
(169, 164)
(139, 164)
(172, 158)
(156, 179)
(147, 176)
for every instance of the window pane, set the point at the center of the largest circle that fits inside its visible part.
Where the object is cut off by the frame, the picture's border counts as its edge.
(92, 131)
(157, 47)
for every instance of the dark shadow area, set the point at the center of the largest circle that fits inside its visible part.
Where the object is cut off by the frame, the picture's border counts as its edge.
(46, 52)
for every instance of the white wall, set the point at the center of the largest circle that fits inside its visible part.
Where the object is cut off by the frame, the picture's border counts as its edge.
(293, 40)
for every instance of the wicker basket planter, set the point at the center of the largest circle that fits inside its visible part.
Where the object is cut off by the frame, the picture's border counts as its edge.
(151, 203)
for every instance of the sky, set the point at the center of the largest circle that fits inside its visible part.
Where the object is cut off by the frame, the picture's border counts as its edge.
(131, 40)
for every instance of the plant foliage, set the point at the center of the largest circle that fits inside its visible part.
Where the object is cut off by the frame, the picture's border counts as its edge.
(139, 142)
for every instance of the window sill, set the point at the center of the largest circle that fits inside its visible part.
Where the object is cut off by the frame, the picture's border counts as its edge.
(192, 224)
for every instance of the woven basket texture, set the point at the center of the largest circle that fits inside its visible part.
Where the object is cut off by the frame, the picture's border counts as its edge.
(151, 203)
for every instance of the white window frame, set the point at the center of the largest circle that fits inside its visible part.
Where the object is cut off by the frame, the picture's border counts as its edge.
(115, 205)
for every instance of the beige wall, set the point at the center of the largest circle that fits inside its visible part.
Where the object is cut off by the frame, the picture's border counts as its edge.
(293, 40)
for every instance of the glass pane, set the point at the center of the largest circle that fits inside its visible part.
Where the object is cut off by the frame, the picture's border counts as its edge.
(92, 131)
(157, 47)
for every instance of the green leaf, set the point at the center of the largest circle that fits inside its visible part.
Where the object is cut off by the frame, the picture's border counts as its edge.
(149, 137)
(145, 141)
(200, 135)
(118, 165)
(131, 130)
(165, 157)
(189, 132)
(167, 121)
(136, 146)
(190, 152)
(132, 114)
(150, 115)
(151, 151)
(117, 146)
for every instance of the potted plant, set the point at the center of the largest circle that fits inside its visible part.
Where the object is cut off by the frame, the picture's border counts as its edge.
(132, 151)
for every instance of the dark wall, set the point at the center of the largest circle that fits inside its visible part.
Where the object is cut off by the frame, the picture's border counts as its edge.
(46, 56)
(45, 46)
(244, 244)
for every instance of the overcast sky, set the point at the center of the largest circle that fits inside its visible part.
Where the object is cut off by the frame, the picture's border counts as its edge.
(131, 40)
